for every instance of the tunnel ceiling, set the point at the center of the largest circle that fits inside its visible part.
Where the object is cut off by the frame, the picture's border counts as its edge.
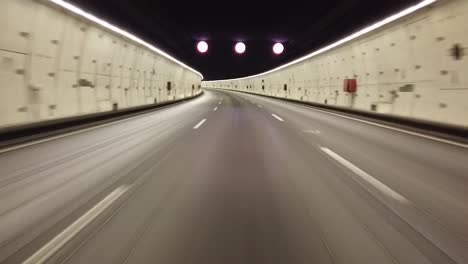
(176, 27)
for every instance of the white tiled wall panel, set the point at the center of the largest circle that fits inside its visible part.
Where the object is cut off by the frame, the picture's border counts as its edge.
(415, 50)
(55, 64)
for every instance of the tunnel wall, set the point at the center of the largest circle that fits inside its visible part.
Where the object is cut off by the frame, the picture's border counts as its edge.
(416, 66)
(54, 63)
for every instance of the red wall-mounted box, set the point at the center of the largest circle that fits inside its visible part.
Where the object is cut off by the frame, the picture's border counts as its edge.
(350, 85)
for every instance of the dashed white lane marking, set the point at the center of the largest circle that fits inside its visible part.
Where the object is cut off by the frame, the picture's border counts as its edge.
(393, 128)
(312, 131)
(214, 109)
(365, 176)
(49, 249)
(199, 124)
(277, 117)
(220, 102)
(260, 106)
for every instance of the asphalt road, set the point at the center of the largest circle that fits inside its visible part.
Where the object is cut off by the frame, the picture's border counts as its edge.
(235, 178)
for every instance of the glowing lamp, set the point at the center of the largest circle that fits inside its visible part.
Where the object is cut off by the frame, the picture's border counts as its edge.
(278, 48)
(240, 48)
(202, 47)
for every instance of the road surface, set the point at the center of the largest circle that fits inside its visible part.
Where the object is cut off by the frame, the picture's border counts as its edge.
(235, 178)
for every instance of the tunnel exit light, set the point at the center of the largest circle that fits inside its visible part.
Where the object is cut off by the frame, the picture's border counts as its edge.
(278, 48)
(202, 47)
(240, 48)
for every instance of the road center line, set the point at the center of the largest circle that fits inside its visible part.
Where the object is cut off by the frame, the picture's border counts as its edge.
(365, 176)
(199, 124)
(49, 249)
(277, 117)
(216, 108)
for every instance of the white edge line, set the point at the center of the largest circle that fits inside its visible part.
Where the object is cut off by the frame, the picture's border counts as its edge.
(39, 141)
(392, 128)
(365, 176)
(49, 249)
(107, 25)
(277, 117)
(8, 149)
(353, 36)
(199, 124)
(216, 108)
(447, 141)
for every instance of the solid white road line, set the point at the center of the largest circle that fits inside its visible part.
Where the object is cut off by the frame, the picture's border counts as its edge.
(66, 134)
(277, 117)
(199, 124)
(214, 109)
(49, 249)
(19, 146)
(447, 141)
(365, 176)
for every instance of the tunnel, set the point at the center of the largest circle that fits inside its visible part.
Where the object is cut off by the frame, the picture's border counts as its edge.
(190, 132)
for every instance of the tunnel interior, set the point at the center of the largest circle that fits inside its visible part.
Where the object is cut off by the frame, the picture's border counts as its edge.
(233, 132)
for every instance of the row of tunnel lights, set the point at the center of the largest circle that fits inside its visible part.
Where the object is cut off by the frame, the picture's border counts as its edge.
(240, 47)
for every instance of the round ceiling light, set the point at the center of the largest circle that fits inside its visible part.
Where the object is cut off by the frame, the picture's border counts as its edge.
(278, 48)
(240, 47)
(202, 46)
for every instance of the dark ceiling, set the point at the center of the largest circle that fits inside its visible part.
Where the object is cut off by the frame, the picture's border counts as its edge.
(176, 27)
